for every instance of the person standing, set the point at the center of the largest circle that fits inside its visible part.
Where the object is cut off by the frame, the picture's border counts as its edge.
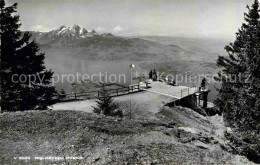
(203, 83)
(151, 74)
(154, 75)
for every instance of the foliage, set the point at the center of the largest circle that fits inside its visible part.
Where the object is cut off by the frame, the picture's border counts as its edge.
(239, 95)
(106, 104)
(62, 94)
(84, 85)
(20, 57)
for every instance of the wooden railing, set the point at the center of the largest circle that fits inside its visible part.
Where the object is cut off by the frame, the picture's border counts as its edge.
(94, 94)
(187, 91)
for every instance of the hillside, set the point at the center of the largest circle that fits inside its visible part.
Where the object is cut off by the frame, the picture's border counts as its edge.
(177, 135)
(207, 49)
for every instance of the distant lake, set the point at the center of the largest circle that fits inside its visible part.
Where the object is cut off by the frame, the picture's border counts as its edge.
(119, 69)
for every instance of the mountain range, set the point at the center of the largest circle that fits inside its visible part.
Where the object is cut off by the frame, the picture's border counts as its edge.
(89, 45)
(67, 35)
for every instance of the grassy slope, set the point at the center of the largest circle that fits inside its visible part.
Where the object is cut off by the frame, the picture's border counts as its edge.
(177, 135)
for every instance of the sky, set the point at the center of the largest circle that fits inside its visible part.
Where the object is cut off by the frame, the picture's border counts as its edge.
(179, 18)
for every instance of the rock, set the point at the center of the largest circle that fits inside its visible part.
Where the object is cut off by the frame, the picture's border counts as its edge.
(161, 128)
(172, 132)
(186, 140)
(228, 148)
(202, 147)
(215, 142)
(188, 130)
(171, 125)
(96, 159)
(185, 134)
(206, 139)
(229, 130)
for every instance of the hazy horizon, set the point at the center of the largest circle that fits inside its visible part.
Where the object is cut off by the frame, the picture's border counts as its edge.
(175, 18)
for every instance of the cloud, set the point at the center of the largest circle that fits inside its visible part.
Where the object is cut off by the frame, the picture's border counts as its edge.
(100, 29)
(39, 28)
(117, 29)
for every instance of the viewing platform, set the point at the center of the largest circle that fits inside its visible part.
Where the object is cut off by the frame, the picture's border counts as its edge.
(188, 95)
(176, 92)
(172, 94)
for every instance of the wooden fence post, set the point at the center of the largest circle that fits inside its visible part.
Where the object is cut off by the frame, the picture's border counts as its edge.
(117, 92)
(75, 96)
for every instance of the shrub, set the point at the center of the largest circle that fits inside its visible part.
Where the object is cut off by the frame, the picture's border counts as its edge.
(106, 105)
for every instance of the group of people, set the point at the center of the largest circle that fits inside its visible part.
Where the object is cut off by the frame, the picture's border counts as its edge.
(153, 75)
(170, 81)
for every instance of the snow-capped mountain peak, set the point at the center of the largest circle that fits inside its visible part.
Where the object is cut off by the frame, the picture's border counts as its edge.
(69, 35)
(74, 31)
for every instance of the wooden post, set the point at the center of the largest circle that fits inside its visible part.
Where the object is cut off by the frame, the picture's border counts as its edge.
(132, 88)
(98, 93)
(75, 96)
(198, 99)
(130, 115)
(205, 100)
(117, 92)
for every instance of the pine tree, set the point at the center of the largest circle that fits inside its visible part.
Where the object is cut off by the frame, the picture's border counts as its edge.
(20, 57)
(238, 97)
(106, 105)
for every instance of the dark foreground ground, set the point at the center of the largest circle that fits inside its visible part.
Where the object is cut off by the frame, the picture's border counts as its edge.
(174, 135)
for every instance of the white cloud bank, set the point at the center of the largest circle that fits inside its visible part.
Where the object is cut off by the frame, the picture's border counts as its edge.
(100, 29)
(117, 29)
(40, 28)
